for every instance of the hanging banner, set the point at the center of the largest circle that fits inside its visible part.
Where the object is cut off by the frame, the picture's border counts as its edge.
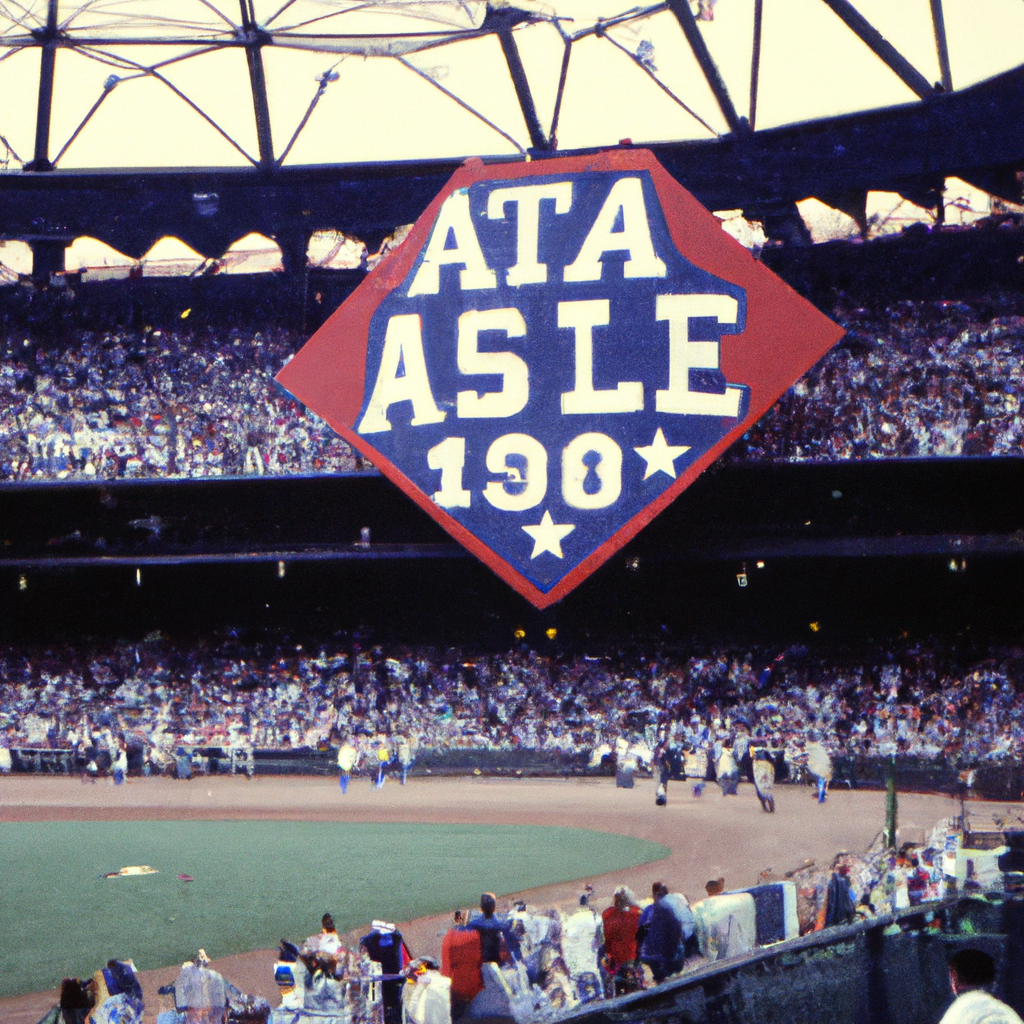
(553, 355)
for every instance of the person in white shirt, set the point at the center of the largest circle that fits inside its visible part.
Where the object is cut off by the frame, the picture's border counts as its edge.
(6, 742)
(969, 971)
(404, 756)
(819, 764)
(582, 946)
(326, 941)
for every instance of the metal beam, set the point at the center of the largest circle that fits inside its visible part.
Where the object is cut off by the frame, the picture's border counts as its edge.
(881, 47)
(254, 40)
(48, 37)
(755, 62)
(687, 22)
(503, 29)
(939, 25)
(563, 74)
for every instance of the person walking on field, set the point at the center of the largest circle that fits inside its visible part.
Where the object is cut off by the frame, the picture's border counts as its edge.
(346, 762)
(119, 764)
(662, 763)
(727, 771)
(764, 779)
(819, 764)
(383, 757)
(404, 756)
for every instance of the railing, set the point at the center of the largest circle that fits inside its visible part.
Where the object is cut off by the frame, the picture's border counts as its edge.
(890, 969)
(995, 781)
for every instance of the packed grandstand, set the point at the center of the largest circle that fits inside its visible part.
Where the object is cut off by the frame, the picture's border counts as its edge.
(925, 701)
(913, 379)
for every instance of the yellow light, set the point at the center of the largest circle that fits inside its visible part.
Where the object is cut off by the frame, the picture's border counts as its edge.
(815, 627)
(551, 633)
(519, 634)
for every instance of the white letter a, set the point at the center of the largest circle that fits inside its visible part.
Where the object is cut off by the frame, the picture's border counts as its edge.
(627, 196)
(453, 217)
(403, 345)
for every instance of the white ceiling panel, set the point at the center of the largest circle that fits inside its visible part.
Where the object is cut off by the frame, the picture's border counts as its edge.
(19, 87)
(380, 110)
(627, 63)
(813, 66)
(170, 134)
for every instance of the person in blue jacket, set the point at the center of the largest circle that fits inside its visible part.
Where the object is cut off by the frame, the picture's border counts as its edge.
(660, 937)
(493, 928)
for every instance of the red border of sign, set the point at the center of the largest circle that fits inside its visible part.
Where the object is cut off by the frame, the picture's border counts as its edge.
(784, 336)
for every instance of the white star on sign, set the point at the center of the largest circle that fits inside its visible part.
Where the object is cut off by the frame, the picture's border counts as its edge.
(660, 456)
(548, 535)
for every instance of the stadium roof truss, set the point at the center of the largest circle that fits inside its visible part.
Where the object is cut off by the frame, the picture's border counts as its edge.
(752, 89)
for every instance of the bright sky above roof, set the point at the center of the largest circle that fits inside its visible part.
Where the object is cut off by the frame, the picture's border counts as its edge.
(165, 83)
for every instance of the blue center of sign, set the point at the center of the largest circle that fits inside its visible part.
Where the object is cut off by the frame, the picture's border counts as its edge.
(551, 364)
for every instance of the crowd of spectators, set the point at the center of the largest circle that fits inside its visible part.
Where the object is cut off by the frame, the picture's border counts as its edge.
(920, 700)
(186, 402)
(917, 379)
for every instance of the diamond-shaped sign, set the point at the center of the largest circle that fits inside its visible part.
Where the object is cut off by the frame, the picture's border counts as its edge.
(554, 354)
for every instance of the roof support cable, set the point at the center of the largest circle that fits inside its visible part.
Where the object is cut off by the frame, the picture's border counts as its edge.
(881, 47)
(661, 85)
(603, 24)
(117, 60)
(687, 22)
(462, 103)
(324, 80)
(563, 75)
(108, 88)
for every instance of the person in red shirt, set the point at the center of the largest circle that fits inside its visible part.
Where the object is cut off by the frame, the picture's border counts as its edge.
(460, 960)
(620, 923)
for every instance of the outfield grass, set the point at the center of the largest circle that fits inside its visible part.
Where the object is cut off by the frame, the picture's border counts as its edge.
(256, 882)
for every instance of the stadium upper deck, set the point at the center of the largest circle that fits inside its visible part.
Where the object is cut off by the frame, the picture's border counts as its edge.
(171, 380)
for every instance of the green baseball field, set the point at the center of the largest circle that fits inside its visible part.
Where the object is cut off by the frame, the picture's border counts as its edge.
(255, 882)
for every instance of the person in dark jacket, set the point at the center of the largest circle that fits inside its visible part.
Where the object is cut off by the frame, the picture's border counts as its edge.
(839, 906)
(660, 936)
(493, 928)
